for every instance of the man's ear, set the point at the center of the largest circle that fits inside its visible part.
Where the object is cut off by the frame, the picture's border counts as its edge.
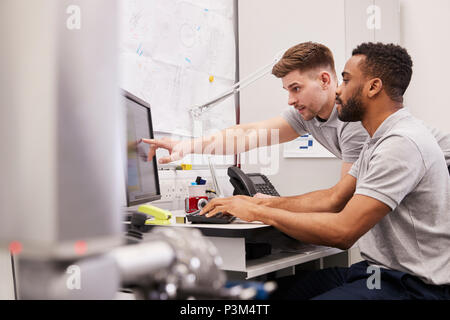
(375, 87)
(325, 79)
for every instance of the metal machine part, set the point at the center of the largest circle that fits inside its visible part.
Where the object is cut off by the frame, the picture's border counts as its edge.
(194, 272)
(61, 124)
(170, 263)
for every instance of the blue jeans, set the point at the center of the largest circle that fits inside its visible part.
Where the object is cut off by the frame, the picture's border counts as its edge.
(353, 283)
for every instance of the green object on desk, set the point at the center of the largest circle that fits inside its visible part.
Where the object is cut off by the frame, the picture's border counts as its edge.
(161, 216)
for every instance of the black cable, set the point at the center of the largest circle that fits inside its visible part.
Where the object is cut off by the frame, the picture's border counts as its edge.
(14, 276)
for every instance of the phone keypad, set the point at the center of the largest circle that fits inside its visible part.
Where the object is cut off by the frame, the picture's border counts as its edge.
(266, 188)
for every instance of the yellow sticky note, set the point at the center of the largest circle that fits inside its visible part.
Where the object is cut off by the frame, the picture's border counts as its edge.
(211, 78)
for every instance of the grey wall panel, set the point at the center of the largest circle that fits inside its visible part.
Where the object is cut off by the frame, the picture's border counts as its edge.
(356, 24)
(264, 30)
(371, 21)
(390, 21)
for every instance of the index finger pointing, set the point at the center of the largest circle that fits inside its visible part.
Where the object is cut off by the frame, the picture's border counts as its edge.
(148, 141)
(157, 143)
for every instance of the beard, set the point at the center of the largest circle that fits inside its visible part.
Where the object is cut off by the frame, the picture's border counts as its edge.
(353, 110)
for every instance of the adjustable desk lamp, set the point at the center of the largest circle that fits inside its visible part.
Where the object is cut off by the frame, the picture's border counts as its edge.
(196, 111)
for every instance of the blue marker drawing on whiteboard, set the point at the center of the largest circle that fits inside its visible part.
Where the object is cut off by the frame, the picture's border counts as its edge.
(188, 60)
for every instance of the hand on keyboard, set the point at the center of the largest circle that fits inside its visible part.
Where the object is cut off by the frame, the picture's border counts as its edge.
(219, 218)
(242, 207)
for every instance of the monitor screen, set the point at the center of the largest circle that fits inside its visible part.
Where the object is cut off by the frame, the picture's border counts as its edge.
(142, 175)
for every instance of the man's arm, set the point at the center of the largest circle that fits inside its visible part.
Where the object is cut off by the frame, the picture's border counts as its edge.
(339, 230)
(345, 168)
(233, 140)
(328, 200)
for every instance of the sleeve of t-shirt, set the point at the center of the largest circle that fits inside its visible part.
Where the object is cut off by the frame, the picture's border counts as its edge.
(352, 139)
(443, 139)
(294, 120)
(394, 170)
(354, 169)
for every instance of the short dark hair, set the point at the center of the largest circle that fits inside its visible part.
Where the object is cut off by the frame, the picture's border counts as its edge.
(389, 62)
(304, 57)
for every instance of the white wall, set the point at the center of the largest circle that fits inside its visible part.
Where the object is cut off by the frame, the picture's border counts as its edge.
(425, 33)
(265, 28)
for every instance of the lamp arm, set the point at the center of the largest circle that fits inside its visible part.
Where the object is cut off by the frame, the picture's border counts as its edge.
(196, 111)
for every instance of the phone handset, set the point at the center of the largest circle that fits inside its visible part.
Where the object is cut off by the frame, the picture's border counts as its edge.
(241, 182)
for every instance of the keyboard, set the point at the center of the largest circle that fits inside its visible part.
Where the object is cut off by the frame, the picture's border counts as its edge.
(219, 218)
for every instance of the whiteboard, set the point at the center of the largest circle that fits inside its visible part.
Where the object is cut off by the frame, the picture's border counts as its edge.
(177, 54)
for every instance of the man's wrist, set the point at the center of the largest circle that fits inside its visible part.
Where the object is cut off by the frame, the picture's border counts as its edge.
(260, 213)
(268, 202)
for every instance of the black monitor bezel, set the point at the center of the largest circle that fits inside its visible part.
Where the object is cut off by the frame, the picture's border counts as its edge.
(146, 105)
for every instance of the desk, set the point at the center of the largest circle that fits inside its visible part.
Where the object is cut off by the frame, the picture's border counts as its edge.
(230, 240)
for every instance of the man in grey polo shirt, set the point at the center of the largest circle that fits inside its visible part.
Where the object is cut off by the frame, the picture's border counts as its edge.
(395, 201)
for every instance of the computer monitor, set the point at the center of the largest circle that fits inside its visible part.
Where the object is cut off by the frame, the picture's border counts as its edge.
(142, 182)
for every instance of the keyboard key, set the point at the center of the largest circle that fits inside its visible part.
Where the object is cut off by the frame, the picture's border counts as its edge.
(220, 218)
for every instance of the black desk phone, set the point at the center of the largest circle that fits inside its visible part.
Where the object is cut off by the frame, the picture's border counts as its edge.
(251, 183)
